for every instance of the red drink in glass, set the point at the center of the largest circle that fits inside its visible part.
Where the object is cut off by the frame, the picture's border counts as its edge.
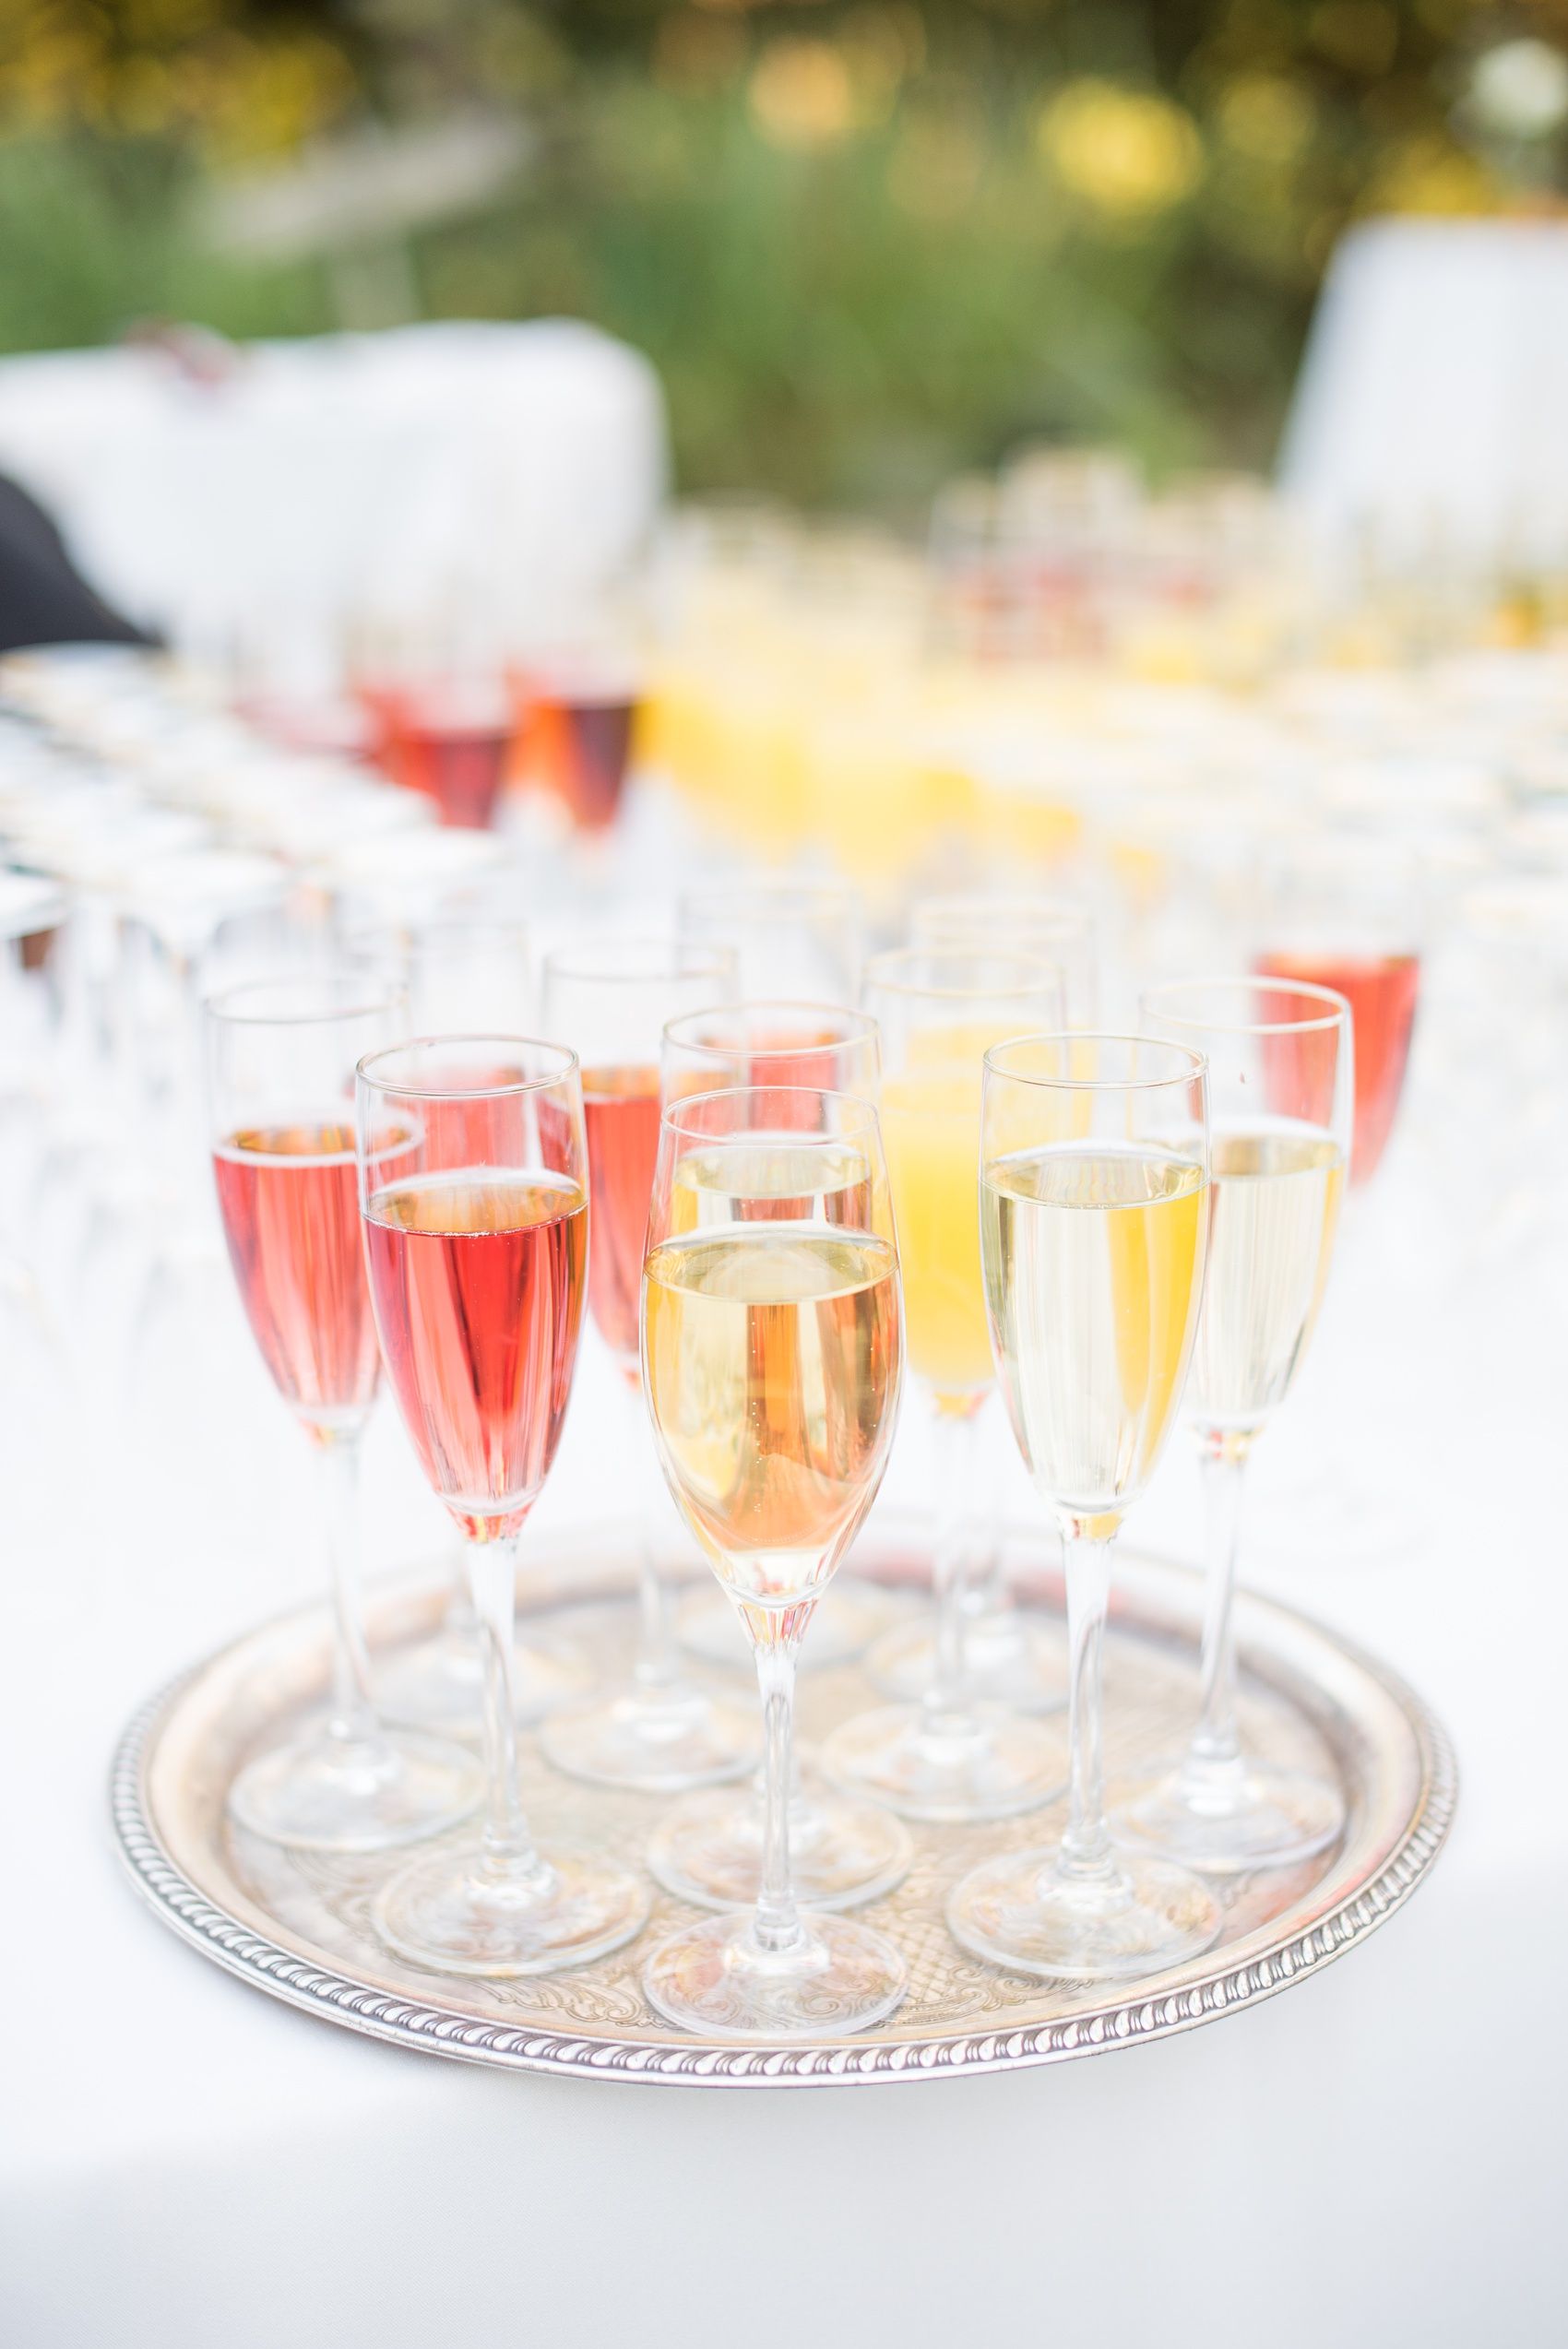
(478, 1285)
(577, 744)
(1380, 990)
(621, 1111)
(290, 1207)
(448, 741)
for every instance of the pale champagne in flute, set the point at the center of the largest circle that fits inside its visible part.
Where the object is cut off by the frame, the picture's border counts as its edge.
(1094, 1214)
(772, 1351)
(1282, 1104)
(707, 1848)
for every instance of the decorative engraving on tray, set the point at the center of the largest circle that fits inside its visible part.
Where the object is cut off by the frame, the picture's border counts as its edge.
(298, 1924)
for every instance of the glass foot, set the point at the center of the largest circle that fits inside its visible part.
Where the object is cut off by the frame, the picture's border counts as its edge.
(659, 1742)
(848, 1617)
(985, 1764)
(1227, 1817)
(708, 1850)
(716, 1979)
(1011, 1659)
(328, 1794)
(1144, 1915)
(440, 1683)
(452, 1912)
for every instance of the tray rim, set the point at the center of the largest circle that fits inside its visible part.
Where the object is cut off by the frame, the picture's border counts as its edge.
(1126, 2017)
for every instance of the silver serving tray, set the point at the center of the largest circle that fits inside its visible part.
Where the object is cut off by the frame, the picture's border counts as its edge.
(295, 1925)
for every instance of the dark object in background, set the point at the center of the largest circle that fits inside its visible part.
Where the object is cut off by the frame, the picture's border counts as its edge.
(43, 599)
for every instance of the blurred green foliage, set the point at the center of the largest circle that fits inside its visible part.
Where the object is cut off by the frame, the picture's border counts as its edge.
(866, 243)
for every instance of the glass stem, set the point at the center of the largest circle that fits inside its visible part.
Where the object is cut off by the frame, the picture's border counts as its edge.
(657, 1668)
(996, 1597)
(338, 1474)
(946, 1701)
(776, 1925)
(1087, 1855)
(656, 1665)
(1216, 1750)
(492, 1573)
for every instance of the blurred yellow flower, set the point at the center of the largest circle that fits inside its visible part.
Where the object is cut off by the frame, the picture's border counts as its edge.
(1127, 153)
(802, 94)
(1428, 174)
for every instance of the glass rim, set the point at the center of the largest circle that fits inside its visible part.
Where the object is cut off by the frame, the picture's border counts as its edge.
(864, 1024)
(682, 958)
(872, 973)
(1196, 1063)
(1336, 1012)
(673, 1113)
(366, 1073)
(363, 999)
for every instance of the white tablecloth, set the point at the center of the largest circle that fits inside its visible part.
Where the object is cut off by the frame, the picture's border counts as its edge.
(1373, 2157)
(1427, 424)
(472, 487)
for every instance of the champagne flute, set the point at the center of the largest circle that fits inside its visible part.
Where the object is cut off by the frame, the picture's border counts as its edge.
(1282, 1099)
(1004, 1660)
(464, 977)
(707, 1847)
(1345, 908)
(475, 1242)
(447, 739)
(1343, 911)
(772, 1349)
(1093, 1217)
(945, 1757)
(280, 1059)
(790, 938)
(609, 998)
(834, 1050)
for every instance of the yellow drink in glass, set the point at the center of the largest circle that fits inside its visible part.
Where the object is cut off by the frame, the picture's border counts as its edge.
(931, 1124)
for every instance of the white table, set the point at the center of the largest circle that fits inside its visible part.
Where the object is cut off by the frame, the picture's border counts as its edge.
(457, 489)
(1373, 2157)
(1427, 424)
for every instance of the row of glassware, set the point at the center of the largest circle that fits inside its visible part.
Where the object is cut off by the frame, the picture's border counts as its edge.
(790, 1200)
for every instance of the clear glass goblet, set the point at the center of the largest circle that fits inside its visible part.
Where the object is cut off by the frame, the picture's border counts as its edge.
(1094, 1219)
(473, 1184)
(1282, 1098)
(772, 1352)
